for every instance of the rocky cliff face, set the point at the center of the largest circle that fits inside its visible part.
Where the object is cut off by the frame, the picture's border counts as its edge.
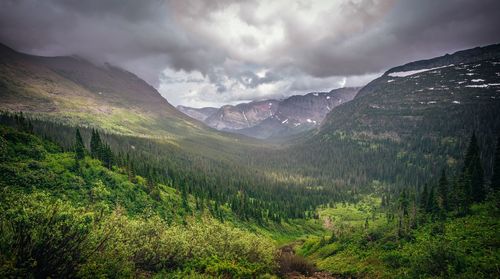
(313, 107)
(243, 115)
(274, 118)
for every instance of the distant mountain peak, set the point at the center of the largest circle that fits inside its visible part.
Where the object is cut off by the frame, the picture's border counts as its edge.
(273, 118)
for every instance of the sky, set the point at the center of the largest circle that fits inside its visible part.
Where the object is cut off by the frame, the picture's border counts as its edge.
(210, 53)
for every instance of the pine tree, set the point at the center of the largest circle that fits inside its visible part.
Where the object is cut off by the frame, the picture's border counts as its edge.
(185, 203)
(403, 203)
(443, 192)
(424, 198)
(149, 180)
(495, 179)
(79, 147)
(474, 170)
(432, 206)
(463, 193)
(95, 144)
(130, 168)
(107, 156)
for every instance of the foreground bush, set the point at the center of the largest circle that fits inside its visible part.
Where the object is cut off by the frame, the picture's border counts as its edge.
(289, 262)
(42, 237)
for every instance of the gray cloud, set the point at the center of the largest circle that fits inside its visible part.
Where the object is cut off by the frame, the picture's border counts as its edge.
(213, 52)
(250, 79)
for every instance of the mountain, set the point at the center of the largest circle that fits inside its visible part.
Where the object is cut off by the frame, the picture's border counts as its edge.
(230, 118)
(300, 113)
(74, 91)
(274, 118)
(413, 120)
(197, 113)
(60, 94)
(452, 94)
(161, 194)
(77, 91)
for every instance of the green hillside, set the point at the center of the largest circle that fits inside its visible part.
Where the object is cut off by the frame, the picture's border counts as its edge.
(166, 144)
(74, 91)
(63, 216)
(410, 127)
(101, 177)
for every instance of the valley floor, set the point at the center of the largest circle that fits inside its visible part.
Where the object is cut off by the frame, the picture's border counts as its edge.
(67, 214)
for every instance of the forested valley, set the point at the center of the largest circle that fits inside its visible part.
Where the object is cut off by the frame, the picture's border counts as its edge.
(401, 182)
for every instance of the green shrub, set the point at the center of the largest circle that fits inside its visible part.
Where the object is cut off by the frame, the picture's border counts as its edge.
(290, 262)
(49, 239)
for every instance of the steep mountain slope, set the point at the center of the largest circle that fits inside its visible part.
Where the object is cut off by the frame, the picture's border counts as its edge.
(76, 92)
(82, 219)
(274, 118)
(65, 92)
(300, 113)
(429, 97)
(414, 118)
(242, 116)
(198, 113)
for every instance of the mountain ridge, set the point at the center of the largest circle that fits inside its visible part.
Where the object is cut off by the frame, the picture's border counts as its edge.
(274, 118)
(75, 91)
(417, 121)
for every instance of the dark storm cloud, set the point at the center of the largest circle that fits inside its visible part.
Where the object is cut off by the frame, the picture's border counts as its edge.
(139, 35)
(411, 30)
(292, 44)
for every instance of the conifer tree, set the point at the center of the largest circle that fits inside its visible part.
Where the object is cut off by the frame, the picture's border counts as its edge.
(474, 171)
(403, 203)
(185, 203)
(149, 180)
(453, 193)
(79, 147)
(95, 144)
(106, 156)
(495, 179)
(463, 194)
(424, 198)
(432, 206)
(130, 168)
(443, 191)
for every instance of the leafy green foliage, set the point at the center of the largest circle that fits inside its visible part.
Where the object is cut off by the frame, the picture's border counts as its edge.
(405, 130)
(160, 195)
(462, 247)
(46, 239)
(58, 221)
(417, 244)
(253, 191)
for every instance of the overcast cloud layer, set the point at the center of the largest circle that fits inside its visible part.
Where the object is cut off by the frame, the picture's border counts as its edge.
(209, 53)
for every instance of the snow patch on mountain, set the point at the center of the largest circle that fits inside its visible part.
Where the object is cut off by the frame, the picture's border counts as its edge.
(409, 73)
(482, 85)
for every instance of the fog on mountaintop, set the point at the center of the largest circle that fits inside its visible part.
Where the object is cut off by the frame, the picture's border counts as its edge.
(204, 53)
